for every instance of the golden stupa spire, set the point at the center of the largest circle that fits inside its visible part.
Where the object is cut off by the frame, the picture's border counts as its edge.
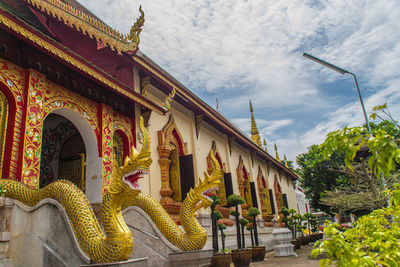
(265, 145)
(276, 152)
(255, 136)
(285, 159)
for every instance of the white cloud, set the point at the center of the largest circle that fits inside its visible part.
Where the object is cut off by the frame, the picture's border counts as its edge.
(253, 50)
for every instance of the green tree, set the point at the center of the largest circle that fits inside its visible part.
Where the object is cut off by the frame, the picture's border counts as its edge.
(374, 239)
(234, 201)
(340, 175)
(317, 175)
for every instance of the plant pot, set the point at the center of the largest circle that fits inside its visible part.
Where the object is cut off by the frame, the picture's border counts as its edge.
(241, 258)
(221, 260)
(296, 243)
(320, 236)
(313, 238)
(305, 240)
(258, 253)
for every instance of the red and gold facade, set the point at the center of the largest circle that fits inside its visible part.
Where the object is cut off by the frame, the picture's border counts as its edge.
(30, 98)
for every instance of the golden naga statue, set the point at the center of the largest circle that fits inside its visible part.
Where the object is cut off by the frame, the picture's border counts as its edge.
(136, 29)
(116, 242)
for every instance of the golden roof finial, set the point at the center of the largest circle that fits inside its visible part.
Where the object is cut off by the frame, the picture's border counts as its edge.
(285, 159)
(255, 136)
(137, 28)
(276, 152)
(167, 102)
(265, 145)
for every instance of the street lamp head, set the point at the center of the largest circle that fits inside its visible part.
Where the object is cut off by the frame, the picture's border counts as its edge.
(326, 64)
(342, 71)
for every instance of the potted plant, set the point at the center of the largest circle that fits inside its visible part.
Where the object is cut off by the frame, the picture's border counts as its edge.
(240, 257)
(214, 203)
(250, 229)
(258, 251)
(292, 223)
(311, 225)
(219, 258)
(243, 222)
(222, 227)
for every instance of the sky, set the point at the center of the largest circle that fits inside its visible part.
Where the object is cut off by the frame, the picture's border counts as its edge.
(238, 50)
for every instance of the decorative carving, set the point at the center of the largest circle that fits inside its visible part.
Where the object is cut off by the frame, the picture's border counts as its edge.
(169, 138)
(175, 177)
(43, 98)
(106, 144)
(13, 78)
(118, 149)
(198, 120)
(3, 126)
(136, 29)
(263, 193)
(231, 142)
(255, 136)
(146, 114)
(211, 168)
(244, 186)
(74, 62)
(144, 85)
(276, 152)
(253, 157)
(33, 130)
(278, 195)
(116, 242)
(92, 26)
(265, 145)
(167, 102)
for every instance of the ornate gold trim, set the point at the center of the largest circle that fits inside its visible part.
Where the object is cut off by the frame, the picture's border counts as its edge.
(231, 141)
(198, 121)
(244, 186)
(210, 169)
(144, 85)
(71, 60)
(167, 102)
(167, 142)
(3, 126)
(92, 26)
(263, 193)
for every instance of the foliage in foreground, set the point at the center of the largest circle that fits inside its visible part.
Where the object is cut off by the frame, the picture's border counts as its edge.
(373, 240)
(351, 169)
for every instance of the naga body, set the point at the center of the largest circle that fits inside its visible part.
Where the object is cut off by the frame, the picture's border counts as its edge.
(116, 242)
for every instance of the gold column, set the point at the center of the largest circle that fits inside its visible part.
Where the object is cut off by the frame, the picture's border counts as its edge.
(166, 191)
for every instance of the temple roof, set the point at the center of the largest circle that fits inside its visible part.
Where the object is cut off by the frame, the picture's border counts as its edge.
(75, 15)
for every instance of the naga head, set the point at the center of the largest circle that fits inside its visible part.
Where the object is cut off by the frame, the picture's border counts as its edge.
(206, 188)
(134, 168)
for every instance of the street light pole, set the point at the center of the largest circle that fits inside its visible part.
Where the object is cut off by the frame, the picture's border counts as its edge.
(342, 71)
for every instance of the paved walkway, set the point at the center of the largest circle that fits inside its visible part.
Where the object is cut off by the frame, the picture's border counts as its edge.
(303, 259)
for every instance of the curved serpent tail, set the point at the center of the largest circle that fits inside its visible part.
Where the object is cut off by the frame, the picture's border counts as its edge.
(195, 237)
(84, 223)
(161, 218)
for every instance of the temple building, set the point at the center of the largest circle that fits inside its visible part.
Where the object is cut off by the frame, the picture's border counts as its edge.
(72, 90)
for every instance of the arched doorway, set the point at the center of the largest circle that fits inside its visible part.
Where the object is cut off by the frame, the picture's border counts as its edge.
(63, 152)
(244, 186)
(278, 195)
